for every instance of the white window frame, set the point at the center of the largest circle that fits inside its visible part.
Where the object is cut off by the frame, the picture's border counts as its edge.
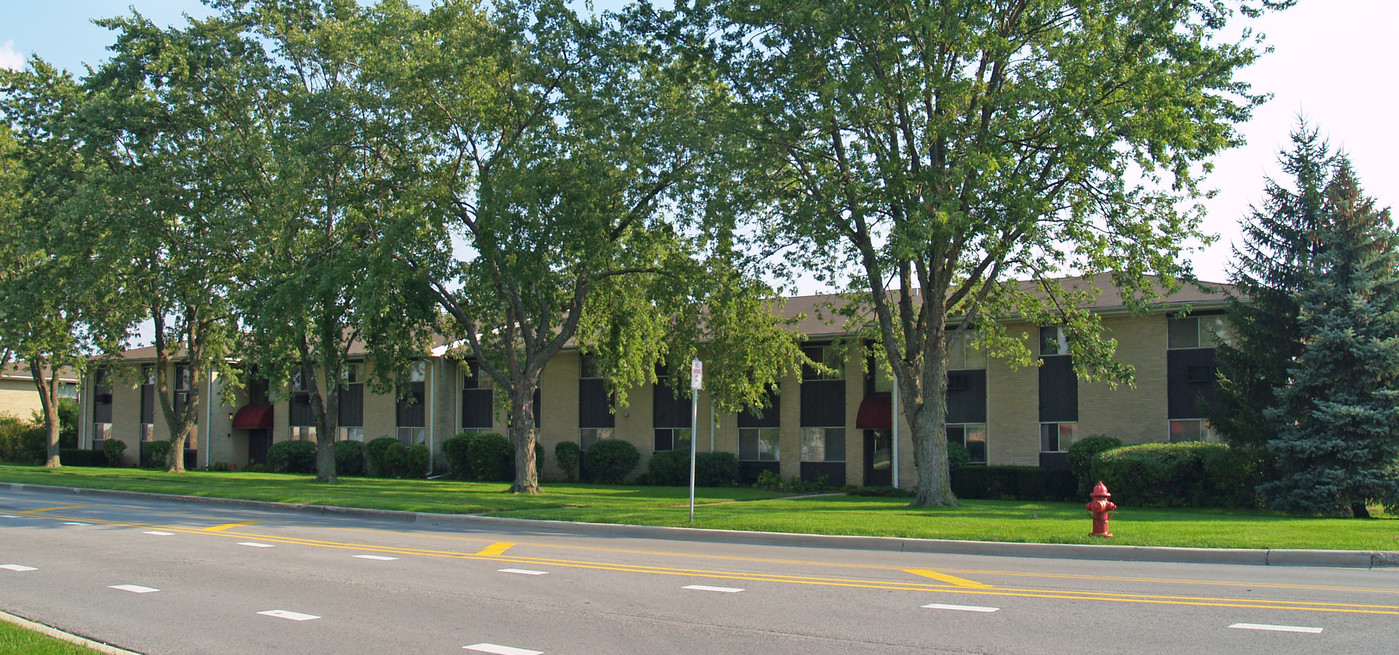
(589, 436)
(1210, 331)
(986, 439)
(411, 436)
(1060, 336)
(674, 438)
(302, 433)
(1062, 439)
(809, 431)
(349, 433)
(1202, 428)
(772, 454)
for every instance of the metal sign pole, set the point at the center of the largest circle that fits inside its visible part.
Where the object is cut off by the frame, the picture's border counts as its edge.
(696, 383)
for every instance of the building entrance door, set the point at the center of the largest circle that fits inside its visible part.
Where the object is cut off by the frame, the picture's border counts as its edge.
(259, 440)
(878, 458)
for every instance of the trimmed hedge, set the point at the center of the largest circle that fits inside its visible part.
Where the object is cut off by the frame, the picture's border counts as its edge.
(1081, 459)
(610, 461)
(112, 450)
(1013, 482)
(669, 468)
(1186, 474)
(349, 458)
(416, 462)
(457, 452)
(385, 456)
(566, 455)
(156, 455)
(292, 457)
(22, 442)
(958, 455)
(716, 470)
(491, 457)
(82, 457)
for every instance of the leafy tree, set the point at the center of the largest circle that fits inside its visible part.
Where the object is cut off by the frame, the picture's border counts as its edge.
(1338, 442)
(57, 293)
(1272, 266)
(321, 276)
(945, 149)
(171, 115)
(573, 197)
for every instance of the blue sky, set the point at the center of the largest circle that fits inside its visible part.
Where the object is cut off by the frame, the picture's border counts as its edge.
(1336, 62)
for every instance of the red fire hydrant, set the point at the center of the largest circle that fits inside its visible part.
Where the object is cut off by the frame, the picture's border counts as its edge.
(1101, 508)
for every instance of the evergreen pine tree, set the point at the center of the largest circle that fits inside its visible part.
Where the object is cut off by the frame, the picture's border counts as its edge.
(1338, 443)
(1271, 267)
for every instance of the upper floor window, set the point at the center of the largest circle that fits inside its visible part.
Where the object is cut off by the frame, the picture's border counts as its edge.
(1053, 341)
(418, 372)
(961, 354)
(589, 367)
(474, 377)
(1196, 331)
(352, 373)
(827, 355)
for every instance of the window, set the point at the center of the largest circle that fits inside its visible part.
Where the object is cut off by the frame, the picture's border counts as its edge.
(352, 373)
(823, 444)
(299, 376)
(589, 436)
(672, 439)
(100, 432)
(412, 436)
(1196, 332)
(961, 355)
(418, 372)
(350, 433)
(1057, 437)
(1053, 341)
(68, 390)
(759, 445)
(828, 355)
(147, 432)
(1192, 430)
(589, 367)
(971, 435)
(302, 433)
(182, 385)
(475, 378)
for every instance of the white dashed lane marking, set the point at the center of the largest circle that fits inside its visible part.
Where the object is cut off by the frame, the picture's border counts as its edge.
(134, 588)
(380, 558)
(290, 616)
(8, 516)
(962, 608)
(75, 523)
(1276, 628)
(158, 533)
(18, 568)
(524, 571)
(725, 590)
(254, 544)
(496, 649)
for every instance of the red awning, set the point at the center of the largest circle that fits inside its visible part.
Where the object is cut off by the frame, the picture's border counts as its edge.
(253, 417)
(875, 413)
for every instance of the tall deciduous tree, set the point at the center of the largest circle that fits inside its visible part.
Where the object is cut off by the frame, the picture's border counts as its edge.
(1337, 445)
(172, 115)
(1272, 266)
(58, 301)
(569, 161)
(943, 149)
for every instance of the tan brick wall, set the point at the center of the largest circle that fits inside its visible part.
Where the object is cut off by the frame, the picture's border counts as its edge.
(789, 431)
(126, 416)
(19, 398)
(854, 438)
(558, 407)
(380, 411)
(1133, 414)
(1012, 408)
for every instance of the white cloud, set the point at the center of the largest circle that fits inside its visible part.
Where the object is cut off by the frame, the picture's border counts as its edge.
(9, 58)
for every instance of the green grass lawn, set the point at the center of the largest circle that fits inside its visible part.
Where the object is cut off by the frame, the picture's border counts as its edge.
(752, 509)
(15, 640)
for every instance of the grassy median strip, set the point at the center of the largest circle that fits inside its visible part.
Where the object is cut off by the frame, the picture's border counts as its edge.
(15, 640)
(753, 509)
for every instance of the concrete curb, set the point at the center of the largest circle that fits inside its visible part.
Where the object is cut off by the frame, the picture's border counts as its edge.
(1364, 559)
(98, 646)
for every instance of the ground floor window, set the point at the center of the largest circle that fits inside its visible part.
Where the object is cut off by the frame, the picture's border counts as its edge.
(100, 432)
(412, 436)
(823, 444)
(350, 433)
(302, 433)
(1194, 429)
(147, 432)
(971, 435)
(672, 439)
(1057, 437)
(759, 445)
(589, 436)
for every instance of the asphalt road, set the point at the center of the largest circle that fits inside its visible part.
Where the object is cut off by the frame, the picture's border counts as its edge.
(175, 578)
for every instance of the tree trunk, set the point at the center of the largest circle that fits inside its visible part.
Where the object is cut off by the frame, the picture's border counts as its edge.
(928, 421)
(50, 403)
(1359, 511)
(522, 436)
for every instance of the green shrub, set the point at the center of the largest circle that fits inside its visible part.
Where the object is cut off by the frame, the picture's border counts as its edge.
(669, 468)
(491, 457)
(292, 457)
(113, 450)
(610, 461)
(220, 467)
(385, 456)
(457, 451)
(11, 432)
(1081, 459)
(22, 442)
(155, 455)
(773, 482)
(768, 480)
(716, 469)
(1186, 474)
(416, 462)
(1014, 482)
(957, 455)
(82, 457)
(349, 457)
(566, 455)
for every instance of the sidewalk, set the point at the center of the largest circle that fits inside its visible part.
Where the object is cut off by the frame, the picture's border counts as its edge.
(1364, 559)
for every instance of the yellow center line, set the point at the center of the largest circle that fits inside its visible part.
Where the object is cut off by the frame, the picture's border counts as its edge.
(496, 548)
(50, 509)
(227, 526)
(950, 579)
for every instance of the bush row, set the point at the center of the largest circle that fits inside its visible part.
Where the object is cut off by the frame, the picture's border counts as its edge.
(672, 468)
(1187, 474)
(486, 457)
(22, 442)
(1013, 482)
